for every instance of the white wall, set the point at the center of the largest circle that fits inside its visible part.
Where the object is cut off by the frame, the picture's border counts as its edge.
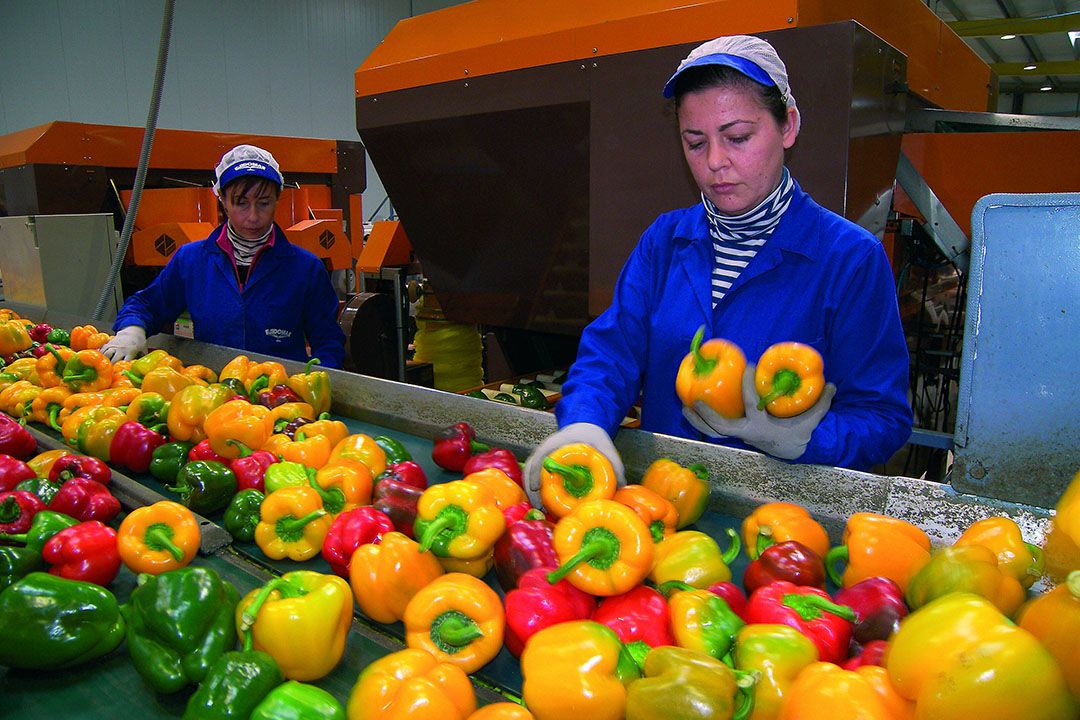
(273, 67)
(1060, 104)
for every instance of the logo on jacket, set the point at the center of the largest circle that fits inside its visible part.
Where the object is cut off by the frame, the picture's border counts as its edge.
(279, 333)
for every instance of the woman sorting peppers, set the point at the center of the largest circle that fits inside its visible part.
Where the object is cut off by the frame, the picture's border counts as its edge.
(756, 262)
(246, 286)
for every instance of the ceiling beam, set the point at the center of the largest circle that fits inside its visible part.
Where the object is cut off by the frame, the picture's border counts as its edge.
(1017, 26)
(1052, 67)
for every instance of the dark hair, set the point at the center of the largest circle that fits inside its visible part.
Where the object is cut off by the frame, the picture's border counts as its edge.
(246, 183)
(704, 77)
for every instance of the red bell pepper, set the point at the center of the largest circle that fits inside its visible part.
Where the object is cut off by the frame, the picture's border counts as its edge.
(516, 512)
(454, 445)
(250, 467)
(133, 445)
(872, 653)
(203, 451)
(12, 472)
(527, 543)
(791, 561)
(85, 552)
(537, 604)
(351, 529)
(17, 511)
(733, 595)
(405, 471)
(808, 610)
(85, 499)
(398, 500)
(80, 466)
(40, 332)
(879, 605)
(277, 395)
(497, 458)
(15, 440)
(641, 614)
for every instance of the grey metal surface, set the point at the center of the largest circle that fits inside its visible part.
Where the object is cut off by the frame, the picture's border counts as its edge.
(941, 226)
(1018, 424)
(58, 262)
(741, 480)
(931, 120)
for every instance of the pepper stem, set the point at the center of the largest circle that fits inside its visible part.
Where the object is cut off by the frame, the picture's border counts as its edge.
(260, 383)
(656, 529)
(9, 510)
(443, 521)
(244, 449)
(159, 536)
(287, 589)
(745, 682)
(599, 544)
(289, 528)
(733, 549)
(453, 630)
(810, 607)
(477, 447)
(16, 538)
(638, 650)
(835, 555)
(333, 498)
(668, 587)
(307, 366)
(60, 362)
(54, 415)
(136, 380)
(577, 479)
(702, 365)
(87, 375)
(764, 541)
(784, 382)
(533, 514)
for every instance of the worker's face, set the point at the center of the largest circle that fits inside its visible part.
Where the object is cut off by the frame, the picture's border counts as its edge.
(734, 146)
(251, 210)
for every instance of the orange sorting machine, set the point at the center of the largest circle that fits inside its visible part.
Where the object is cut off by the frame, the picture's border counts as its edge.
(64, 167)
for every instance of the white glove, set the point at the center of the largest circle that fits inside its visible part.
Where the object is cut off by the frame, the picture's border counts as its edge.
(128, 344)
(581, 432)
(784, 438)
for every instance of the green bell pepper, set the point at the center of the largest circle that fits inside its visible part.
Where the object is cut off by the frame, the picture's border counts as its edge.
(394, 449)
(506, 398)
(778, 653)
(44, 488)
(285, 474)
(681, 684)
(16, 563)
(242, 515)
(45, 524)
(477, 394)
(237, 682)
(166, 461)
(531, 397)
(178, 624)
(58, 336)
(51, 622)
(205, 486)
(299, 701)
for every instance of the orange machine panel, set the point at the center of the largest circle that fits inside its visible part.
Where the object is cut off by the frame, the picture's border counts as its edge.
(492, 36)
(325, 238)
(386, 245)
(173, 205)
(296, 204)
(155, 246)
(962, 167)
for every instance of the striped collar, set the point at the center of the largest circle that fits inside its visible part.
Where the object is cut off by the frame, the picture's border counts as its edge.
(755, 224)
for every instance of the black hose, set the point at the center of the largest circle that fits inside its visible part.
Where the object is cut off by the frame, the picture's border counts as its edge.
(144, 160)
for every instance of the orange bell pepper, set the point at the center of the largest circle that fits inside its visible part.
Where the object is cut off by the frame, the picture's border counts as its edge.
(878, 545)
(574, 474)
(386, 575)
(659, 514)
(1002, 536)
(264, 376)
(826, 691)
(603, 547)
(411, 684)
(353, 479)
(778, 522)
(8, 314)
(458, 619)
(119, 379)
(112, 397)
(151, 361)
(506, 491)
(1054, 618)
(236, 422)
(88, 337)
(712, 373)
(167, 382)
(789, 379)
(236, 368)
(189, 409)
(477, 567)
(502, 711)
(334, 430)
(48, 407)
(312, 451)
(362, 448)
(200, 372)
(87, 371)
(50, 366)
(687, 488)
(1062, 547)
(458, 519)
(292, 524)
(158, 538)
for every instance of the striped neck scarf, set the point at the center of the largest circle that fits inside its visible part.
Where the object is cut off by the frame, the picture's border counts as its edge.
(245, 250)
(737, 239)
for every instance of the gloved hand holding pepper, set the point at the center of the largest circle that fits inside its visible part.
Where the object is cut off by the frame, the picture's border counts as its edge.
(586, 433)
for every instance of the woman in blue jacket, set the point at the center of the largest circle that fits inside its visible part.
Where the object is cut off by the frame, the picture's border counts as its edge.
(246, 286)
(756, 262)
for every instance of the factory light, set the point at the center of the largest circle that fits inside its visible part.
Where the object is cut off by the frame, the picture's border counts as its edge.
(1008, 37)
(1045, 88)
(1032, 66)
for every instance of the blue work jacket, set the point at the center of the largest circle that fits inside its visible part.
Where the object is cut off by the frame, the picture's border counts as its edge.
(287, 300)
(819, 280)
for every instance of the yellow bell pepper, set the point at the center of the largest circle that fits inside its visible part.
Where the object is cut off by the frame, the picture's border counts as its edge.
(236, 368)
(658, 513)
(310, 450)
(687, 488)
(158, 538)
(87, 371)
(778, 653)
(502, 711)
(364, 449)
(789, 379)
(712, 373)
(878, 545)
(965, 568)
(960, 658)
(91, 429)
(189, 409)
(458, 619)
(827, 691)
(576, 669)
(778, 522)
(236, 422)
(42, 463)
(386, 575)
(1054, 618)
(48, 407)
(292, 523)
(574, 474)
(411, 684)
(505, 491)
(1002, 536)
(603, 547)
(313, 386)
(200, 372)
(1062, 547)
(334, 430)
(167, 382)
(14, 337)
(113, 397)
(285, 413)
(693, 557)
(353, 479)
(264, 376)
(152, 360)
(50, 366)
(18, 398)
(24, 369)
(458, 519)
(477, 567)
(300, 619)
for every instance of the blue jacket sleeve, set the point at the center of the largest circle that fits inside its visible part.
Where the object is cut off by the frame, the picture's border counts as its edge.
(321, 330)
(159, 304)
(870, 418)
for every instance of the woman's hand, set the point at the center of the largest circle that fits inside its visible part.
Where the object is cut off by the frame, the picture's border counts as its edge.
(580, 432)
(785, 438)
(128, 344)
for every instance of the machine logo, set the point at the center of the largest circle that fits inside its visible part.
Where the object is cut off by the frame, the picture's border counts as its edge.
(165, 245)
(326, 239)
(279, 333)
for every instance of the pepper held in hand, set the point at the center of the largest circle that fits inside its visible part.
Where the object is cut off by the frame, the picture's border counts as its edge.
(712, 373)
(789, 379)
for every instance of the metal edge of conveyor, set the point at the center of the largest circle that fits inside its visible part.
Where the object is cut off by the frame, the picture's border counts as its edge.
(741, 479)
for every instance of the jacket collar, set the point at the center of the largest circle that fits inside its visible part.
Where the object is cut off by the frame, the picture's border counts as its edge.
(268, 258)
